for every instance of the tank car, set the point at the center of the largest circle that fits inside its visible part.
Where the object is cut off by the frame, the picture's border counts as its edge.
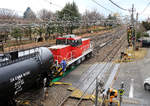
(19, 71)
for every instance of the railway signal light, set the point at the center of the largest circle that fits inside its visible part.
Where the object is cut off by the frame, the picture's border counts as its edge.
(121, 91)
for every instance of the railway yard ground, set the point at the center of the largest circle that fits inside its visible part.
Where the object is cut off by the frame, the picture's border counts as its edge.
(83, 76)
(102, 66)
(74, 53)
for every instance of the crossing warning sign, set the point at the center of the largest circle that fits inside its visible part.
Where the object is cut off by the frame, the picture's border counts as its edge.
(121, 91)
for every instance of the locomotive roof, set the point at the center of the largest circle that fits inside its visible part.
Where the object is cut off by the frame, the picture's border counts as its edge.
(76, 38)
(70, 37)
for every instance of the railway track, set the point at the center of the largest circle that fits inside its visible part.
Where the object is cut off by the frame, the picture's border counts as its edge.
(100, 74)
(99, 45)
(104, 40)
(22, 47)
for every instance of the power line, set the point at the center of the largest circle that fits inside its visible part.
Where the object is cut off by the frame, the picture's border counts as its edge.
(72, 11)
(118, 6)
(102, 6)
(59, 6)
(145, 8)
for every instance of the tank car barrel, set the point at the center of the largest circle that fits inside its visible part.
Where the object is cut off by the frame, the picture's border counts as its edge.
(24, 70)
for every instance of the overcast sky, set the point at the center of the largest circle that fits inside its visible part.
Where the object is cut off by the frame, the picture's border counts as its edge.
(21, 5)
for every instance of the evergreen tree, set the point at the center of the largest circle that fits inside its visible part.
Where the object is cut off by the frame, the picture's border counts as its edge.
(50, 29)
(112, 17)
(70, 14)
(29, 14)
(17, 33)
(146, 25)
(28, 31)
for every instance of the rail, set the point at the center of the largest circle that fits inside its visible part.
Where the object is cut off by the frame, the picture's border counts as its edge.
(101, 73)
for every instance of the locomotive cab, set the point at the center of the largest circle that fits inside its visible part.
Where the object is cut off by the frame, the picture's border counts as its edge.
(69, 40)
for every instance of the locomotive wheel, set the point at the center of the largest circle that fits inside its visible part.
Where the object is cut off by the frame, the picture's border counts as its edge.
(42, 81)
(78, 61)
(12, 102)
(88, 56)
(72, 66)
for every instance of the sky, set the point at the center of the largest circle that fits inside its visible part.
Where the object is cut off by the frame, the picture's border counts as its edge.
(21, 5)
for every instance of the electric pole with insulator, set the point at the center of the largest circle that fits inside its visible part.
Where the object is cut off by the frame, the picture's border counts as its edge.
(133, 30)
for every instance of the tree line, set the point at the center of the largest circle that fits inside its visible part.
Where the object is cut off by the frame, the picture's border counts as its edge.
(58, 23)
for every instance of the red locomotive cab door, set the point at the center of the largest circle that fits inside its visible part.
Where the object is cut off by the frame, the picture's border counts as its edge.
(79, 50)
(76, 48)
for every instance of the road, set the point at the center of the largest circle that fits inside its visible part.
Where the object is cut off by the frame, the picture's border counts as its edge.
(133, 75)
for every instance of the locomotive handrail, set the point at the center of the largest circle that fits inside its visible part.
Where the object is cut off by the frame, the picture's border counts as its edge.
(69, 56)
(58, 56)
(86, 47)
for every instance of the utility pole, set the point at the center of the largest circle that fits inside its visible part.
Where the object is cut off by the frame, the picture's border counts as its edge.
(121, 92)
(132, 22)
(99, 88)
(96, 94)
(136, 25)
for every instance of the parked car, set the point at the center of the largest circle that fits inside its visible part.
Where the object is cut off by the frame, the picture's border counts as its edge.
(147, 83)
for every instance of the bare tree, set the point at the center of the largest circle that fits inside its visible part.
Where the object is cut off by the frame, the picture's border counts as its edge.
(7, 14)
(45, 14)
(92, 15)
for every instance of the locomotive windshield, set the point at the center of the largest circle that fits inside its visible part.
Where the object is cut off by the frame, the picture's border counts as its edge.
(74, 43)
(60, 41)
(71, 42)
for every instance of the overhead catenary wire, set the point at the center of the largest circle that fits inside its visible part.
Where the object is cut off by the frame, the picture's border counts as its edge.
(145, 8)
(118, 6)
(51, 3)
(102, 6)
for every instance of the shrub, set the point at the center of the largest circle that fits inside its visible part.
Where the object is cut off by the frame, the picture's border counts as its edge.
(142, 34)
(145, 34)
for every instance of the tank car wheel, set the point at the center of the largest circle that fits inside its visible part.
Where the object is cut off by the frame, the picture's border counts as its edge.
(13, 102)
(72, 66)
(42, 82)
